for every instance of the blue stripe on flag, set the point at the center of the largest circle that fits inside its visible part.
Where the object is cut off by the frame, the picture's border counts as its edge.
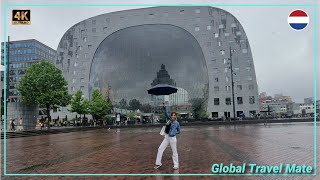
(298, 26)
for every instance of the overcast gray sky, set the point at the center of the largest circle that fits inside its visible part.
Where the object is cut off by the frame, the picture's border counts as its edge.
(283, 58)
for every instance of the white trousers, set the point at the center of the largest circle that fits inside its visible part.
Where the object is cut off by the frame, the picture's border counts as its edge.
(173, 144)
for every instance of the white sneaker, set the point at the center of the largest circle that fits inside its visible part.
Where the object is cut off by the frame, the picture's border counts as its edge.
(175, 168)
(157, 166)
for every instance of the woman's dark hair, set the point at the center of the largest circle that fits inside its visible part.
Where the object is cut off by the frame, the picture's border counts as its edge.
(173, 113)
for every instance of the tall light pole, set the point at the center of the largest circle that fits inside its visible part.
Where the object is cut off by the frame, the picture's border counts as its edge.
(7, 77)
(232, 86)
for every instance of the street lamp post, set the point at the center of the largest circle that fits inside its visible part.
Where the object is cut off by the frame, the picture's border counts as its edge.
(7, 78)
(232, 86)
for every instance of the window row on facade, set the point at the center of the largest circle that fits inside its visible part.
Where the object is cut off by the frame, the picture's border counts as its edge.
(15, 79)
(21, 65)
(14, 45)
(29, 51)
(216, 101)
(75, 80)
(237, 87)
(73, 88)
(17, 72)
(23, 58)
(238, 114)
(227, 69)
(216, 35)
(228, 79)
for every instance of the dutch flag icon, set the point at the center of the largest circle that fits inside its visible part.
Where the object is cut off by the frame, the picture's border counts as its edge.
(298, 19)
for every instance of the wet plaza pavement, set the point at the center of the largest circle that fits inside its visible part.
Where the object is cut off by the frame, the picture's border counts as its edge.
(133, 150)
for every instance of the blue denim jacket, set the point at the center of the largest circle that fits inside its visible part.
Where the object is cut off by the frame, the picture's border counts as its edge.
(175, 126)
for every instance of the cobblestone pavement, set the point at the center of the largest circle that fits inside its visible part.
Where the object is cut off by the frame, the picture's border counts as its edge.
(133, 151)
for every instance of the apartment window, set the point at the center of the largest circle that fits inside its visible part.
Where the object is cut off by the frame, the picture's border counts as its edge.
(216, 89)
(252, 113)
(198, 19)
(81, 88)
(85, 55)
(215, 114)
(219, 43)
(77, 55)
(239, 87)
(227, 79)
(94, 30)
(228, 101)
(251, 99)
(226, 34)
(248, 68)
(84, 39)
(93, 21)
(249, 78)
(236, 69)
(208, 28)
(251, 87)
(239, 100)
(224, 61)
(238, 33)
(222, 52)
(72, 88)
(80, 47)
(216, 79)
(197, 11)
(81, 80)
(105, 29)
(221, 26)
(73, 80)
(75, 64)
(233, 24)
(228, 88)
(244, 51)
(216, 101)
(74, 72)
(215, 70)
(216, 35)
(225, 70)
(181, 12)
(197, 28)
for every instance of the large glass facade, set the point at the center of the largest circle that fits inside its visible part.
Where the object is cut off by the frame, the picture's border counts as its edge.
(126, 63)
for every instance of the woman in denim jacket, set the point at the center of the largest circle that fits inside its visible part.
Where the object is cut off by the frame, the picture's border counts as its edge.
(172, 128)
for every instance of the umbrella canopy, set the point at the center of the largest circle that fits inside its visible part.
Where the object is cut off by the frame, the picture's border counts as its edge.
(162, 89)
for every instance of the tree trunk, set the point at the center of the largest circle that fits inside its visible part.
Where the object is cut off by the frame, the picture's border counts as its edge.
(48, 116)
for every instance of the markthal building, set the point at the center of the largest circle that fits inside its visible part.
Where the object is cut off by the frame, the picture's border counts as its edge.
(125, 53)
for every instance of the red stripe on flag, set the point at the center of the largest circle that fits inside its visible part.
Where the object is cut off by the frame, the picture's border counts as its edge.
(298, 13)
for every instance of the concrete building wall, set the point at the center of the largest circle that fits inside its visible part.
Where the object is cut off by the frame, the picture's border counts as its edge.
(25, 116)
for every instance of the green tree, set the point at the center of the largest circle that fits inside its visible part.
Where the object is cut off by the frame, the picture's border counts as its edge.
(134, 104)
(44, 85)
(79, 104)
(99, 107)
(123, 104)
(198, 106)
(203, 115)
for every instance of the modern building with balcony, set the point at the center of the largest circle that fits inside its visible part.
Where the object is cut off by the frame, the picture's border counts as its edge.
(21, 55)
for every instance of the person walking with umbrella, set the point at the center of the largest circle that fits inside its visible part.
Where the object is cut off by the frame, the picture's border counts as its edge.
(172, 128)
